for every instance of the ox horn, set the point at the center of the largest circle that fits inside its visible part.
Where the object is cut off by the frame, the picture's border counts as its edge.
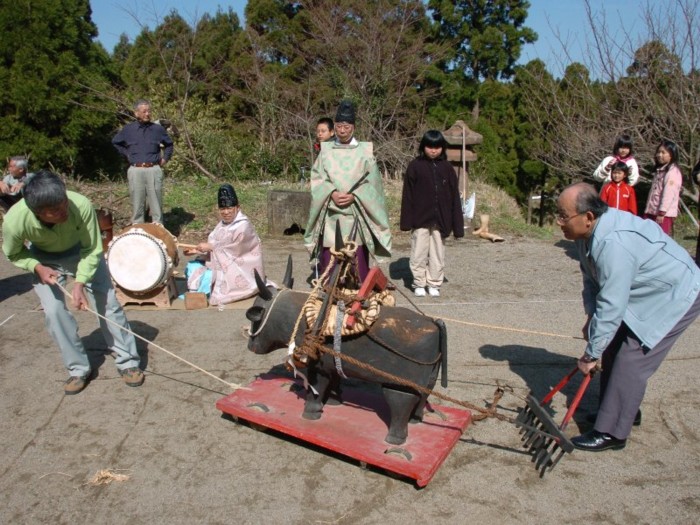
(288, 280)
(262, 288)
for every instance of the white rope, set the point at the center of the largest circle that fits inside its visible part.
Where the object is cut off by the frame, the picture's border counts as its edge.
(7, 319)
(171, 354)
(262, 325)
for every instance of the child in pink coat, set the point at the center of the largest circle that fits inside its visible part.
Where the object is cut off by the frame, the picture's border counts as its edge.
(665, 192)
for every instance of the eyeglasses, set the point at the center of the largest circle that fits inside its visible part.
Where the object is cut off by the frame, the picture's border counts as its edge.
(563, 219)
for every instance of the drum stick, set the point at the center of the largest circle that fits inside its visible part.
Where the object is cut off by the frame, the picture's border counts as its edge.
(187, 246)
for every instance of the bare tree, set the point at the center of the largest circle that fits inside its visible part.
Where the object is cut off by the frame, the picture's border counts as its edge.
(647, 86)
(375, 53)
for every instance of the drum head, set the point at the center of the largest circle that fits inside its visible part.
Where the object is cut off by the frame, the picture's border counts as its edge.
(138, 262)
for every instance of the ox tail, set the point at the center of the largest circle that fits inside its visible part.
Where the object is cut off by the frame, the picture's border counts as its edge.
(443, 351)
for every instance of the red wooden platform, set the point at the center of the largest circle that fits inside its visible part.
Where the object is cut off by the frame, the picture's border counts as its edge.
(355, 429)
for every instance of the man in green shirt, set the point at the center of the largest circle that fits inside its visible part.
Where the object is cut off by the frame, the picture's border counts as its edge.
(64, 239)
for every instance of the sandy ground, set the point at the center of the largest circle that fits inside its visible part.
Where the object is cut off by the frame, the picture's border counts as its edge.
(187, 464)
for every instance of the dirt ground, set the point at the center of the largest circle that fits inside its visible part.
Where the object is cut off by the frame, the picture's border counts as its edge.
(513, 316)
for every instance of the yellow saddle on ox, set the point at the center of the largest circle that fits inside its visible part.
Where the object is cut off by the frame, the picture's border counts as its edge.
(364, 319)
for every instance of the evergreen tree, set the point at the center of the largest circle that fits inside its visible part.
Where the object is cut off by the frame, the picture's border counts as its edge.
(47, 60)
(488, 35)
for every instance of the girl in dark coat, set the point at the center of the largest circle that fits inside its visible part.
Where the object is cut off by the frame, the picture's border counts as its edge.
(431, 210)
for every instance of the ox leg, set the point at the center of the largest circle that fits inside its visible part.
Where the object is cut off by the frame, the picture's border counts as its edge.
(313, 408)
(401, 405)
(418, 413)
(333, 394)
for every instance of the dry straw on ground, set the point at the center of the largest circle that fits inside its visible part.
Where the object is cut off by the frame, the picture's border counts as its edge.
(106, 476)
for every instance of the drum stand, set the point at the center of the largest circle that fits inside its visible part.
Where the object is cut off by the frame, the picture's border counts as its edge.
(160, 296)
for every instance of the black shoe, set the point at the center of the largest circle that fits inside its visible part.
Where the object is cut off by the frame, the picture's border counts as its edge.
(590, 418)
(595, 441)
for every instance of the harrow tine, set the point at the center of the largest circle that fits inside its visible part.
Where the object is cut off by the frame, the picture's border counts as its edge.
(540, 447)
(544, 456)
(556, 460)
(543, 438)
(533, 442)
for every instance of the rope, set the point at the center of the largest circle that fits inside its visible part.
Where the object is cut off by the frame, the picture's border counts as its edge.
(300, 355)
(483, 413)
(364, 319)
(171, 354)
(479, 325)
(262, 325)
(507, 329)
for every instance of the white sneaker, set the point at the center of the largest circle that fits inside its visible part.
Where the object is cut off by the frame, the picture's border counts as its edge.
(419, 292)
(434, 292)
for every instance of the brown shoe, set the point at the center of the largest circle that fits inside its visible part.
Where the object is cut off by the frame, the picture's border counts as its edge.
(132, 376)
(75, 385)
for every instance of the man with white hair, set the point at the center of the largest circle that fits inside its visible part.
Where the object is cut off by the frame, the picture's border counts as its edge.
(12, 184)
(147, 147)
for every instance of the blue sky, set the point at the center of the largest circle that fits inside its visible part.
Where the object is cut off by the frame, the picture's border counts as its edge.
(546, 17)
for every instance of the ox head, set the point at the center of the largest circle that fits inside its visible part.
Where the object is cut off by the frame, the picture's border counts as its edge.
(262, 337)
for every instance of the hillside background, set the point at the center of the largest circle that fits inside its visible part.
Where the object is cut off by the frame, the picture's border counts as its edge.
(242, 100)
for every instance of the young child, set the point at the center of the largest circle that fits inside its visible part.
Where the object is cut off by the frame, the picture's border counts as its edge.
(431, 210)
(665, 192)
(324, 132)
(618, 193)
(622, 152)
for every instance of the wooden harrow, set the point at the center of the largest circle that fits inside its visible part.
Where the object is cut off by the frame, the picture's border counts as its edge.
(544, 439)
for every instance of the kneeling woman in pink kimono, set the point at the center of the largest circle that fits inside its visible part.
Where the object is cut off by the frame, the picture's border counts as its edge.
(228, 258)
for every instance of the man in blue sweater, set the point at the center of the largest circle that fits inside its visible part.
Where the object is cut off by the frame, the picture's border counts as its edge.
(147, 147)
(640, 292)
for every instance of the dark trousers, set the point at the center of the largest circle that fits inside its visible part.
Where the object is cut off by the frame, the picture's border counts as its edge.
(627, 366)
(361, 261)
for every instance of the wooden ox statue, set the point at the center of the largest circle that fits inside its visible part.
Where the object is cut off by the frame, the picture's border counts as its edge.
(401, 342)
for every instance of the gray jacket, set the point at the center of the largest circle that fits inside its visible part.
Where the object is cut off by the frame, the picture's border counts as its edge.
(636, 274)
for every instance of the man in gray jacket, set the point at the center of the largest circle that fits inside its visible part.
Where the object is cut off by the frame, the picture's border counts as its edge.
(640, 292)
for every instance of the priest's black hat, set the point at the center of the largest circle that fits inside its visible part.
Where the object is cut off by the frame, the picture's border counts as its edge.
(227, 196)
(346, 112)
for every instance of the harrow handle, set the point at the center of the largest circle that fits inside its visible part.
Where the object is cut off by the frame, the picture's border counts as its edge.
(561, 385)
(577, 399)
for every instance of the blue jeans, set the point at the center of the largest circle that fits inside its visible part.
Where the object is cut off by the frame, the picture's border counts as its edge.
(63, 327)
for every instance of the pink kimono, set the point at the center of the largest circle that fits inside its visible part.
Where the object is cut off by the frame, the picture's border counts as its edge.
(236, 252)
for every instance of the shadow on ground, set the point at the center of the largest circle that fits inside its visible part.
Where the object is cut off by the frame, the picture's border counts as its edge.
(542, 370)
(399, 269)
(569, 248)
(98, 350)
(15, 285)
(175, 219)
